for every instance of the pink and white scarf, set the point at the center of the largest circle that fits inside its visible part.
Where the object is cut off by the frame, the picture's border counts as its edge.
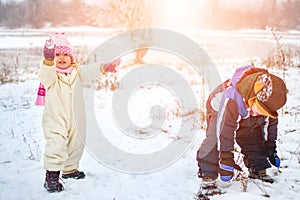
(40, 100)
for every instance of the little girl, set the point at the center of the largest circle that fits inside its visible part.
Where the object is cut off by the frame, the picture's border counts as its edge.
(64, 115)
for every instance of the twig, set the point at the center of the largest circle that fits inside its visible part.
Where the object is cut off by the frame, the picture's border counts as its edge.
(263, 189)
(294, 153)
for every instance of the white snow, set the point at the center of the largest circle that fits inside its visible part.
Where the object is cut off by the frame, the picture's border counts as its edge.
(22, 143)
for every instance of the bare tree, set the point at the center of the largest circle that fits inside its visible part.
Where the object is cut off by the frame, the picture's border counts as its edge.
(130, 15)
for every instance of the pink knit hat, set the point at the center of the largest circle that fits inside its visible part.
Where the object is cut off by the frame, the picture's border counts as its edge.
(62, 45)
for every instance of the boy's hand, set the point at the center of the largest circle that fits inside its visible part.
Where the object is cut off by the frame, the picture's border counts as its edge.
(111, 67)
(272, 153)
(49, 50)
(274, 159)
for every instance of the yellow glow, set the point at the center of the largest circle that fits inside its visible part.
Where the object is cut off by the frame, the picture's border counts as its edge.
(176, 13)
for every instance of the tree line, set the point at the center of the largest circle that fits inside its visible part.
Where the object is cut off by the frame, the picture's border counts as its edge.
(120, 13)
(274, 13)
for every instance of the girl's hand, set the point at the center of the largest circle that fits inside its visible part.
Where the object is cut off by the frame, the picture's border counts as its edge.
(49, 50)
(111, 67)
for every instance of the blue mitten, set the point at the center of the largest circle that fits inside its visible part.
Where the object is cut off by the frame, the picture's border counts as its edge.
(227, 165)
(272, 153)
(274, 159)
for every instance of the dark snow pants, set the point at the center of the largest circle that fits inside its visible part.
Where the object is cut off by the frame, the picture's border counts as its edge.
(250, 138)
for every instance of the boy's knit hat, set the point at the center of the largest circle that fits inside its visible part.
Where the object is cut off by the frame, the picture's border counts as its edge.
(62, 45)
(270, 94)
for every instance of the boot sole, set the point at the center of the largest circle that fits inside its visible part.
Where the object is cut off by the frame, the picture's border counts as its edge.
(259, 178)
(66, 177)
(59, 189)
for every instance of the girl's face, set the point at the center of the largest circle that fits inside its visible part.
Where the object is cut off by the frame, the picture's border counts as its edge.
(62, 60)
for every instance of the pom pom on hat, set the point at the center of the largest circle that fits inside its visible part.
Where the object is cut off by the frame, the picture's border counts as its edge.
(62, 45)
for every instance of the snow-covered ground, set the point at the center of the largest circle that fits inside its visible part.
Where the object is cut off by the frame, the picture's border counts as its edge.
(22, 142)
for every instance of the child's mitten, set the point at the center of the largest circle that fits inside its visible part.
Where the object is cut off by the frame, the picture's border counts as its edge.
(49, 50)
(111, 67)
(272, 153)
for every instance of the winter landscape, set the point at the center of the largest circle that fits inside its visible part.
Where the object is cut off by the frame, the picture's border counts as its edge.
(22, 139)
(21, 136)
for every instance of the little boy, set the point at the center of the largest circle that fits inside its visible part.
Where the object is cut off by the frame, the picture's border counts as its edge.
(243, 110)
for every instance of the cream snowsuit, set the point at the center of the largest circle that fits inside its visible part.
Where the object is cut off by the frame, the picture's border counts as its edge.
(64, 115)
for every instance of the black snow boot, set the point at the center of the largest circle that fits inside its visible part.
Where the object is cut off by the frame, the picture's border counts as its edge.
(52, 183)
(261, 175)
(75, 174)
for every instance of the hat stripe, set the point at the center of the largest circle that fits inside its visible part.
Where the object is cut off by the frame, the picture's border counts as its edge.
(258, 86)
(266, 91)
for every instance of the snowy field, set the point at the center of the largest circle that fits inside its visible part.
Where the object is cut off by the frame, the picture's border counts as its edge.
(22, 143)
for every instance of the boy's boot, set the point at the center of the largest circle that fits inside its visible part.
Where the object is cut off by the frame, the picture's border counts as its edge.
(261, 175)
(52, 183)
(75, 174)
(208, 188)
